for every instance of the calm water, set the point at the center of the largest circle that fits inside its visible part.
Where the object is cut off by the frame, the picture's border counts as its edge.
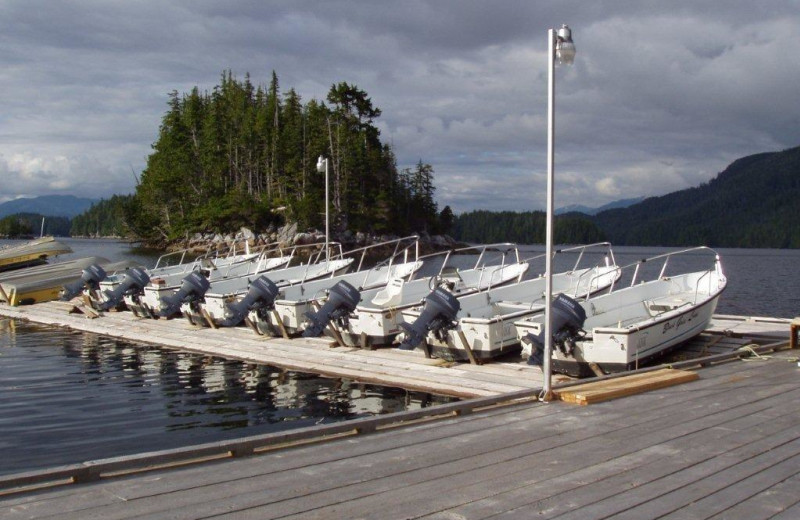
(69, 396)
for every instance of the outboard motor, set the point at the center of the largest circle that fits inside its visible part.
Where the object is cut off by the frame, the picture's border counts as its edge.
(134, 282)
(568, 318)
(342, 300)
(438, 315)
(90, 277)
(193, 288)
(261, 295)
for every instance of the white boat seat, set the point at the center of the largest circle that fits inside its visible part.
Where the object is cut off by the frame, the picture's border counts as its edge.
(391, 295)
(515, 305)
(662, 305)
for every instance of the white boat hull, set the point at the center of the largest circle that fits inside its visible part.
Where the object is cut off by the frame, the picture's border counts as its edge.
(214, 303)
(634, 326)
(374, 325)
(486, 322)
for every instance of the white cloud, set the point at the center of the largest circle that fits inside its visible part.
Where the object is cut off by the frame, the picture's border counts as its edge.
(662, 95)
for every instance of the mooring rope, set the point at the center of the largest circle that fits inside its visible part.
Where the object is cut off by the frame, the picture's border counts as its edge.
(761, 357)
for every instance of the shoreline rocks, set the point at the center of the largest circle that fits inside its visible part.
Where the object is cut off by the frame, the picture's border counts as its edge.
(288, 236)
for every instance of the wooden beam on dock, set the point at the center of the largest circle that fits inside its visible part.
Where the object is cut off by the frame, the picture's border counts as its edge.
(605, 390)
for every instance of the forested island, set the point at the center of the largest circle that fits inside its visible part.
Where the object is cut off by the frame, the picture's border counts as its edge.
(246, 155)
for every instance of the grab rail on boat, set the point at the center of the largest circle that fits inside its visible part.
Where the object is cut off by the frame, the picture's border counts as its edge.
(719, 273)
(666, 256)
(413, 242)
(504, 248)
(616, 273)
(609, 254)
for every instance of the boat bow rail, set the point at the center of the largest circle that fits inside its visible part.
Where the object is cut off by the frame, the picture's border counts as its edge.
(662, 273)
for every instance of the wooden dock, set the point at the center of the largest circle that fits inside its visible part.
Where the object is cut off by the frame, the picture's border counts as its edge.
(389, 367)
(725, 446)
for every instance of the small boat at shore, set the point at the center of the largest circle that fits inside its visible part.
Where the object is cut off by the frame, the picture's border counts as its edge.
(35, 252)
(481, 326)
(46, 282)
(630, 326)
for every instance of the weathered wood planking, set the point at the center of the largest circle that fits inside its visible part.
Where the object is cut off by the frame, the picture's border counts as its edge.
(750, 326)
(600, 391)
(410, 370)
(725, 444)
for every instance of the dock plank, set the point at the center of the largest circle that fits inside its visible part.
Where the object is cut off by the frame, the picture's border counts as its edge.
(534, 459)
(333, 487)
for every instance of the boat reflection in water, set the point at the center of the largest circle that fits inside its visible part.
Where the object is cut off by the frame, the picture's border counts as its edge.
(71, 396)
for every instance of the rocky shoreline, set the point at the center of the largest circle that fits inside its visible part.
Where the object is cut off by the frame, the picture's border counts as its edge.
(288, 236)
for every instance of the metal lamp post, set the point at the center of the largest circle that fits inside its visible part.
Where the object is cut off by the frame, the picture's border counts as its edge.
(322, 167)
(560, 48)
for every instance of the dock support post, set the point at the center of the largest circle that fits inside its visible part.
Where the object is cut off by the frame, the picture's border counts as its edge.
(471, 355)
(277, 317)
(794, 332)
(208, 319)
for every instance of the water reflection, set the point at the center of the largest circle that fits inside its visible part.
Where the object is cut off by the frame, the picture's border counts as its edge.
(68, 396)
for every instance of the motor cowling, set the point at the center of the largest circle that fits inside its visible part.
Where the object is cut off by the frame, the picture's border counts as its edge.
(568, 318)
(438, 315)
(261, 295)
(134, 281)
(343, 299)
(193, 287)
(90, 277)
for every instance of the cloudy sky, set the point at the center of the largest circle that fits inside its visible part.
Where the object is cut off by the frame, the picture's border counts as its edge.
(663, 95)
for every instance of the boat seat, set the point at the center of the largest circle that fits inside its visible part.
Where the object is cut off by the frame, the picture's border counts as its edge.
(662, 305)
(515, 306)
(391, 295)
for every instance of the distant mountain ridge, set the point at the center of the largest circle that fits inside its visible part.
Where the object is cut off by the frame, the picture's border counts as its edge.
(754, 202)
(48, 205)
(579, 208)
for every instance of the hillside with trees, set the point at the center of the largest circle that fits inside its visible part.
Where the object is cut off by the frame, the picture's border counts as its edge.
(524, 227)
(246, 155)
(754, 202)
(106, 218)
(30, 224)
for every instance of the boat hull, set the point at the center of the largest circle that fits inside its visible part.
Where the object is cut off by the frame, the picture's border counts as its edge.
(487, 326)
(377, 326)
(636, 325)
(622, 350)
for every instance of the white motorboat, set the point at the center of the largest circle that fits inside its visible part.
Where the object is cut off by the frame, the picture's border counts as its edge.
(632, 325)
(170, 269)
(481, 326)
(288, 313)
(292, 294)
(376, 320)
(154, 299)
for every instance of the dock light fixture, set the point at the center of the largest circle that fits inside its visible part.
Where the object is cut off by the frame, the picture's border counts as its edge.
(322, 167)
(560, 48)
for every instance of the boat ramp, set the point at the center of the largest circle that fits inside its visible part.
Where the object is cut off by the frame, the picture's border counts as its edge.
(724, 445)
